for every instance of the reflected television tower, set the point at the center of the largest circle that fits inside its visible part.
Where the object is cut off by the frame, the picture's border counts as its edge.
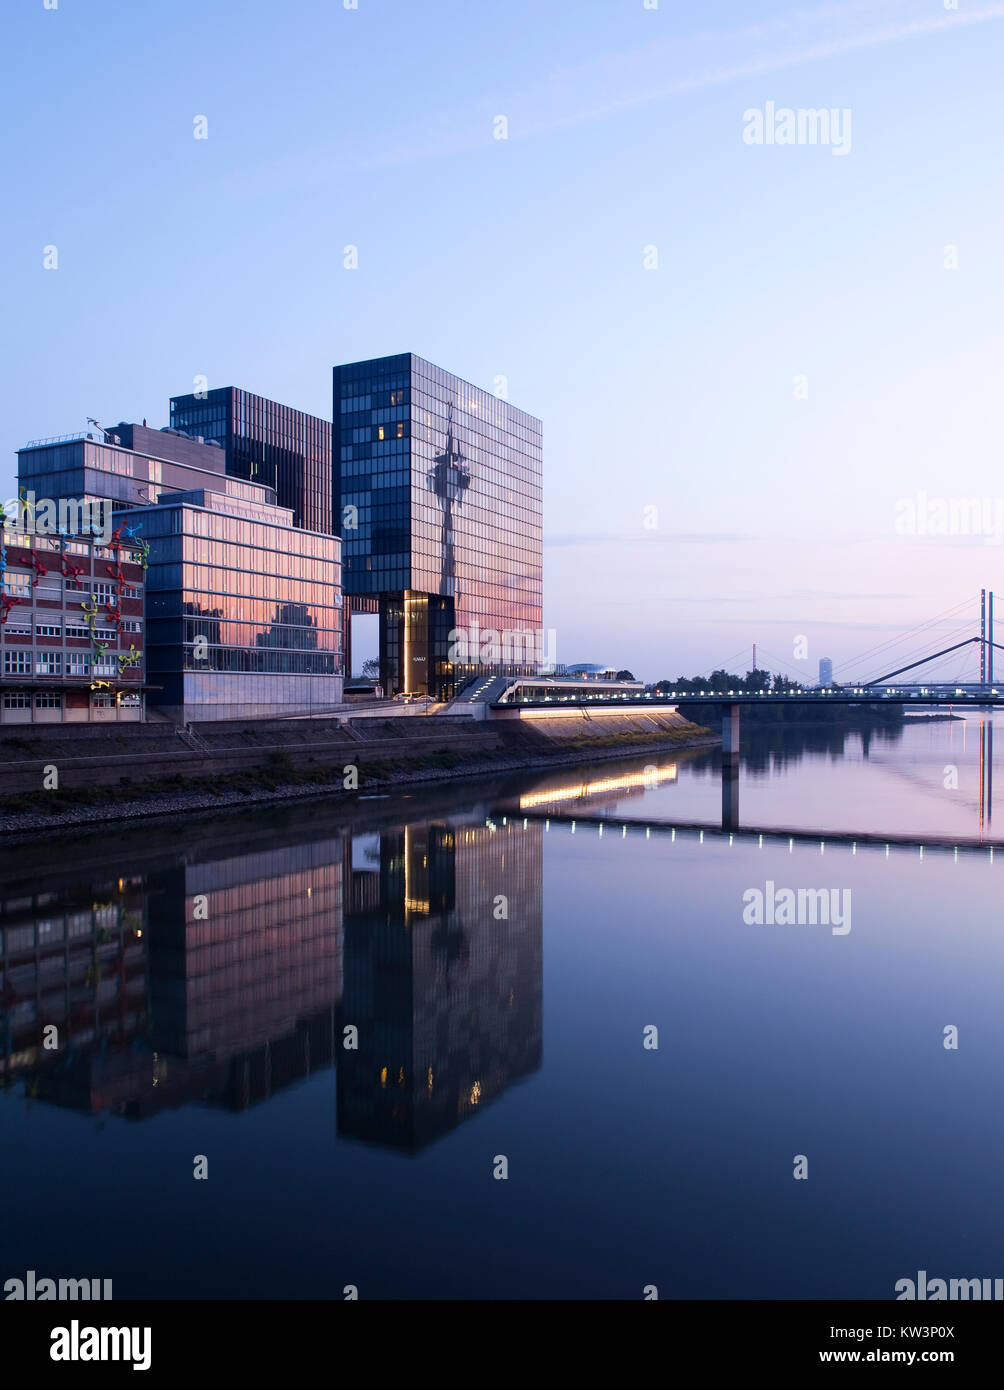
(449, 478)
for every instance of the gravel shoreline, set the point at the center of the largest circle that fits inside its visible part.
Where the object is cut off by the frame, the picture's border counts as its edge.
(163, 806)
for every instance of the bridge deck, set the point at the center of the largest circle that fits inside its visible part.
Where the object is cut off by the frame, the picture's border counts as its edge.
(893, 696)
(701, 830)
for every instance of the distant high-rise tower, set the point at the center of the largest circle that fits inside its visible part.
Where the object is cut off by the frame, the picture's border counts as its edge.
(268, 443)
(825, 671)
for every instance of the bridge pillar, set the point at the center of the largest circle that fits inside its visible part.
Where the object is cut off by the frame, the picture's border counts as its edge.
(730, 793)
(730, 767)
(730, 730)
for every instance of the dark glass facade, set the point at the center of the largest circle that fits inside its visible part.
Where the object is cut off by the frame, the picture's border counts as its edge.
(437, 494)
(266, 442)
(244, 610)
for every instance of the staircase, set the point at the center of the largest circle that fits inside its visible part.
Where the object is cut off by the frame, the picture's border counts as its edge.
(486, 689)
(189, 736)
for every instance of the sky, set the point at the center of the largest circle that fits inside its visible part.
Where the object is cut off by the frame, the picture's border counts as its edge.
(770, 374)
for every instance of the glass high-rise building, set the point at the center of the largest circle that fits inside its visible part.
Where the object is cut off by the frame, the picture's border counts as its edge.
(269, 443)
(437, 495)
(243, 609)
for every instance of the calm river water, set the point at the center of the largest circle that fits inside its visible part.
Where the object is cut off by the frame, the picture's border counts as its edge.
(353, 1027)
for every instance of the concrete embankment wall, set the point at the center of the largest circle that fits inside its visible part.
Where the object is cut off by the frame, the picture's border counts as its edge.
(581, 723)
(92, 756)
(135, 755)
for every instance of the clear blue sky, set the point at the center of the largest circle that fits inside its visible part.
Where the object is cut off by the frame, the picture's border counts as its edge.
(671, 388)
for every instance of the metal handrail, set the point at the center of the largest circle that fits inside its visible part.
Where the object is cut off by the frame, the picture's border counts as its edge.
(58, 439)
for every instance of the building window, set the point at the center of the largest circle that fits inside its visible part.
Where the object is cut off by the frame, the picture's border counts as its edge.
(49, 664)
(103, 592)
(101, 701)
(17, 663)
(78, 665)
(48, 630)
(16, 583)
(50, 700)
(16, 699)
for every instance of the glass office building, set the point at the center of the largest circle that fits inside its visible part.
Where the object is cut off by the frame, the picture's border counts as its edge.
(244, 610)
(437, 495)
(269, 443)
(130, 465)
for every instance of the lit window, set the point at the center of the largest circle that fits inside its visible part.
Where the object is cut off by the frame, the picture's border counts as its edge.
(16, 583)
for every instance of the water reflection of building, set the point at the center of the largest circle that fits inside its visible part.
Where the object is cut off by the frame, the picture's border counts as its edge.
(216, 981)
(444, 989)
(245, 968)
(220, 980)
(75, 961)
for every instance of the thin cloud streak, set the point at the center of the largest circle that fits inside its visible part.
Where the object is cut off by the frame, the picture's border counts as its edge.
(571, 538)
(531, 112)
(827, 48)
(719, 600)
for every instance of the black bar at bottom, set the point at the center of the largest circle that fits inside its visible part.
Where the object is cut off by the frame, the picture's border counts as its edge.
(298, 1339)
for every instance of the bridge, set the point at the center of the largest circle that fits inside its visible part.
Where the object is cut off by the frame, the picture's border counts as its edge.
(530, 693)
(623, 827)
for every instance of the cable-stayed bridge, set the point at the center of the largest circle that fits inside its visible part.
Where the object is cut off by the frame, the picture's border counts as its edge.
(974, 690)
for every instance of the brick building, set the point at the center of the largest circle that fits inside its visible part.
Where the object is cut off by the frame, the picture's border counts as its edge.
(71, 629)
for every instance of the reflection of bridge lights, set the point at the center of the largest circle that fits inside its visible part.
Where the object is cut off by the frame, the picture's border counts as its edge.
(599, 788)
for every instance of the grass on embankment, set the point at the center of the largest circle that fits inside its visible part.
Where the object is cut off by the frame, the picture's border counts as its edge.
(375, 768)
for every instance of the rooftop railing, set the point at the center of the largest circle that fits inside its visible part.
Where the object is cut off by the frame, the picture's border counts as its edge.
(59, 439)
